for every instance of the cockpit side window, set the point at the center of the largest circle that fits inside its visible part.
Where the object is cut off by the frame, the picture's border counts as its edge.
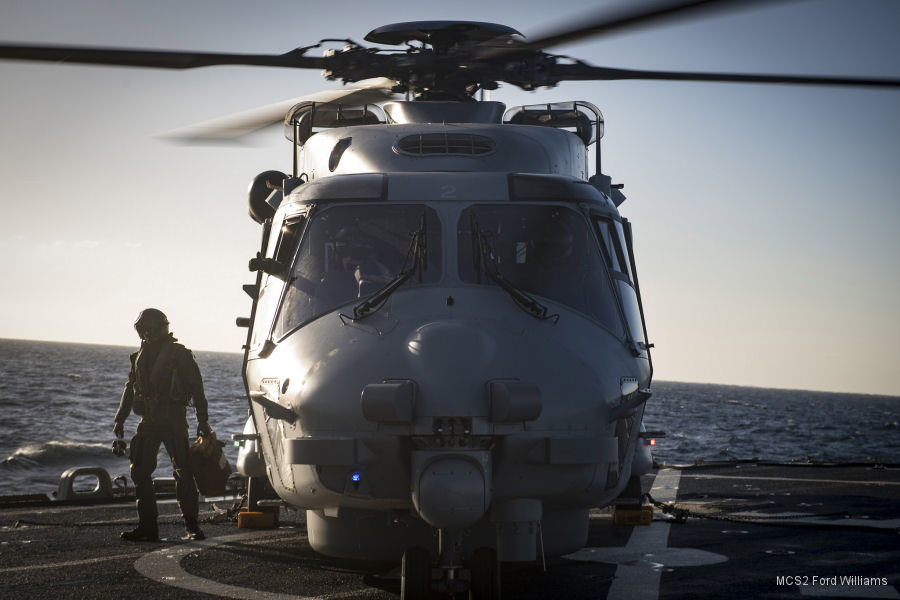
(615, 253)
(348, 252)
(547, 251)
(287, 241)
(283, 239)
(618, 257)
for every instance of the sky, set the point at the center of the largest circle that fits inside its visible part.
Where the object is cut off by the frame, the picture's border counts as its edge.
(765, 217)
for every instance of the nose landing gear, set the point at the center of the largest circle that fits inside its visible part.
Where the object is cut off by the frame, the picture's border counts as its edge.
(483, 572)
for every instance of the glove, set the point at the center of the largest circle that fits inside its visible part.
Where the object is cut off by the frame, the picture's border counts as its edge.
(204, 430)
(119, 447)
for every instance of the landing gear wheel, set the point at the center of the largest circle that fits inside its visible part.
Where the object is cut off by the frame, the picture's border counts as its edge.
(484, 571)
(415, 579)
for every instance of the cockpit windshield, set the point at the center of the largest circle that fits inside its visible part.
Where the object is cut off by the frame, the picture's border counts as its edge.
(547, 251)
(350, 252)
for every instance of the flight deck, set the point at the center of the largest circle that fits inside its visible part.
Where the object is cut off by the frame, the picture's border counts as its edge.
(736, 530)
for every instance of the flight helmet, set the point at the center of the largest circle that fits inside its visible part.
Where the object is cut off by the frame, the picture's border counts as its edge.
(151, 324)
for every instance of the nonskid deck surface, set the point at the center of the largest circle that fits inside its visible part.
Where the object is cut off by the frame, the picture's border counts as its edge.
(752, 531)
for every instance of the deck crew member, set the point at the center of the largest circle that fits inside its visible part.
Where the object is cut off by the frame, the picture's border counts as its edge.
(164, 379)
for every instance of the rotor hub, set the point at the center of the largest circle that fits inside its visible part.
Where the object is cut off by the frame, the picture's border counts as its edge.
(441, 35)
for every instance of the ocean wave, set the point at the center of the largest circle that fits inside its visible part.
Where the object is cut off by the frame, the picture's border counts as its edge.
(53, 452)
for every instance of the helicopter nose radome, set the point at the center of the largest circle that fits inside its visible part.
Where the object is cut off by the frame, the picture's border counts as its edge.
(450, 345)
(451, 360)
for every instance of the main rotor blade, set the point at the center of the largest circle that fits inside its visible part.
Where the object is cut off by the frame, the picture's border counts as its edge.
(585, 72)
(156, 59)
(632, 15)
(230, 127)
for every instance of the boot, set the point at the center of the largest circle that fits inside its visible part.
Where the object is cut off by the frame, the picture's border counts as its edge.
(141, 533)
(192, 530)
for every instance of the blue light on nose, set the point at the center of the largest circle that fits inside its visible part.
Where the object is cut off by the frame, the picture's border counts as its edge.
(356, 476)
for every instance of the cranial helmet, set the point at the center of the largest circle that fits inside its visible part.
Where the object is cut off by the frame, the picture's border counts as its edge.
(151, 324)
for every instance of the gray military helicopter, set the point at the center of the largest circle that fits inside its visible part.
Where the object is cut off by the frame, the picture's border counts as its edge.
(446, 360)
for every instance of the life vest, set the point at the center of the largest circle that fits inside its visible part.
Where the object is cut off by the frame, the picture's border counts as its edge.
(157, 386)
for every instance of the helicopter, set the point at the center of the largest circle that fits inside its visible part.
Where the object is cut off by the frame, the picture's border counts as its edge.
(447, 359)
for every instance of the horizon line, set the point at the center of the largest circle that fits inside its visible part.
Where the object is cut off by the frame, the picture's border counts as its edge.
(238, 353)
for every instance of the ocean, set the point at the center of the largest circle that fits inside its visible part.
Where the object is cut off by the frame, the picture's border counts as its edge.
(58, 401)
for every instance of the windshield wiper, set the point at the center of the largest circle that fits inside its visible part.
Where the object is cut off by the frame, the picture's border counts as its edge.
(483, 255)
(418, 252)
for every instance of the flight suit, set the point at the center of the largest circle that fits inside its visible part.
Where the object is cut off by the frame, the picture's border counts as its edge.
(164, 378)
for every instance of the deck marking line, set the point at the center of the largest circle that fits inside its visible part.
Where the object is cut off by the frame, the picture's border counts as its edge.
(641, 560)
(70, 563)
(636, 581)
(164, 566)
(791, 518)
(793, 479)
